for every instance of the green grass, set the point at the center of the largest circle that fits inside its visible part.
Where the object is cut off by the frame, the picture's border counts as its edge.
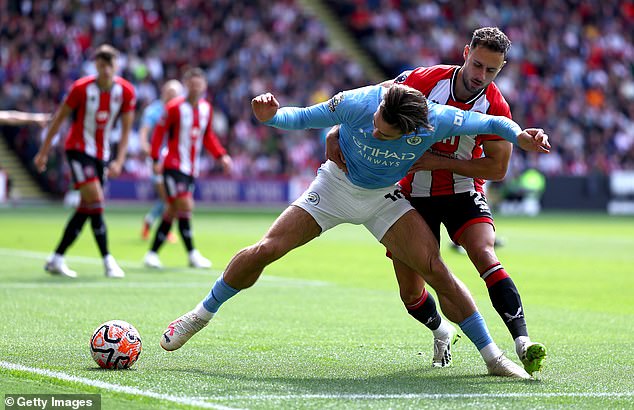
(324, 326)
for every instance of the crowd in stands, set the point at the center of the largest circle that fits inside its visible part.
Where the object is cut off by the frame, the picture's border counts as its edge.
(570, 69)
(246, 48)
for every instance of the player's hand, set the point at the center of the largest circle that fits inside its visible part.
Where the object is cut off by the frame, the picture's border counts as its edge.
(264, 106)
(40, 161)
(427, 162)
(535, 140)
(333, 149)
(114, 170)
(227, 164)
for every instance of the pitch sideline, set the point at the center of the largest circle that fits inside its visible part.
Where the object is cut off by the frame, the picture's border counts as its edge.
(113, 387)
(199, 400)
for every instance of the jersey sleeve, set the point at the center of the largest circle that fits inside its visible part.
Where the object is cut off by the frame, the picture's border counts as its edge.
(129, 97)
(335, 111)
(210, 140)
(75, 97)
(451, 121)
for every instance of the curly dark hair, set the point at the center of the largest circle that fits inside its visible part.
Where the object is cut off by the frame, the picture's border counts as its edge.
(492, 38)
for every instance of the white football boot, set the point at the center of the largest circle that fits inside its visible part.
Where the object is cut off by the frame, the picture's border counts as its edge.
(152, 260)
(112, 269)
(196, 260)
(442, 348)
(503, 366)
(181, 330)
(55, 265)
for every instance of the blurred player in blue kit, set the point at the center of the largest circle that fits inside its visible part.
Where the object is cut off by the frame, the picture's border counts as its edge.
(383, 132)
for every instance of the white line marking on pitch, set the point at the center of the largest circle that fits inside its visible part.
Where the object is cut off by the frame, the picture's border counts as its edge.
(129, 264)
(439, 396)
(114, 387)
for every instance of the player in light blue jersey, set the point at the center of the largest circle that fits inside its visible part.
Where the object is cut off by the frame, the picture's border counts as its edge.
(151, 116)
(383, 131)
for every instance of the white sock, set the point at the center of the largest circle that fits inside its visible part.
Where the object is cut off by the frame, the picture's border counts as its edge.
(203, 313)
(490, 352)
(443, 330)
(520, 342)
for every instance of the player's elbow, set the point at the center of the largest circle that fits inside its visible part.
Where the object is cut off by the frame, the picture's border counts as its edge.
(498, 173)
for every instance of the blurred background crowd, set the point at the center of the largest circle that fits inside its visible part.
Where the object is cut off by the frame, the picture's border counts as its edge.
(570, 69)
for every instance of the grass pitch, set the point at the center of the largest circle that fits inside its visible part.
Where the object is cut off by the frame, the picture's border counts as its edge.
(323, 328)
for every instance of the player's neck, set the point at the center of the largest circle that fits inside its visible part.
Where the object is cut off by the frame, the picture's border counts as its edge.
(459, 90)
(104, 84)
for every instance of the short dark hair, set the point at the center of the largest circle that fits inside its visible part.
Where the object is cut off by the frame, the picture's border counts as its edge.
(405, 108)
(107, 53)
(193, 72)
(492, 38)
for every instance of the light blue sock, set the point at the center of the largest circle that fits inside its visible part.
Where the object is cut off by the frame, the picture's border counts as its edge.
(156, 212)
(476, 330)
(219, 294)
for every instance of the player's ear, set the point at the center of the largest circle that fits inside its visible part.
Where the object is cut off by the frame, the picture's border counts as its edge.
(465, 52)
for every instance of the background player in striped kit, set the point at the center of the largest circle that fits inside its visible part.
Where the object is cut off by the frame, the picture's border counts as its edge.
(151, 116)
(95, 102)
(187, 121)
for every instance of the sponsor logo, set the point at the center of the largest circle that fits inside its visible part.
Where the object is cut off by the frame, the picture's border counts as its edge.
(334, 101)
(102, 116)
(312, 198)
(415, 140)
(517, 315)
(458, 118)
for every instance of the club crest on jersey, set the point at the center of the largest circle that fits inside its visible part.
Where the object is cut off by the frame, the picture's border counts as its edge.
(415, 140)
(312, 198)
(334, 102)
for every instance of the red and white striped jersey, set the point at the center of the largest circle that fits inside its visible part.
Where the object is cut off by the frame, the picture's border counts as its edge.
(188, 129)
(94, 114)
(437, 83)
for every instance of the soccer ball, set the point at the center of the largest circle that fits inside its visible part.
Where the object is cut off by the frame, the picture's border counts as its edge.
(115, 345)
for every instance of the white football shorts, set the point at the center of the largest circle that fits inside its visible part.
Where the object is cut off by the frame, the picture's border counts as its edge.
(332, 200)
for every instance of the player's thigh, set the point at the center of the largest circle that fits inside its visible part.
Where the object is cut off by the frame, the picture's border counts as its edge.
(293, 228)
(410, 240)
(431, 209)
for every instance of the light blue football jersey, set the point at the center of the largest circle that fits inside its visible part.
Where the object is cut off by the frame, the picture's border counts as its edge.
(152, 114)
(373, 163)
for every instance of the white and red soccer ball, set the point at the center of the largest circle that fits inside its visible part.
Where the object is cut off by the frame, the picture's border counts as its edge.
(115, 345)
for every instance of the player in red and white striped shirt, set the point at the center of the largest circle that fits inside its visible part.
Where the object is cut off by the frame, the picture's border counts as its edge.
(187, 121)
(448, 190)
(95, 103)
(448, 185)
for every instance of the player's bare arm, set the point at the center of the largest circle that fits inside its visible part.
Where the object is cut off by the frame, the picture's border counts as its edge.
(126, 125)
(333, 150)
(492, 166)
(41, 158)
(264, 106)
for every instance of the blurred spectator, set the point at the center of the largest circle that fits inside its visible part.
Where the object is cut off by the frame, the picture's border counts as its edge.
(244, 48)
